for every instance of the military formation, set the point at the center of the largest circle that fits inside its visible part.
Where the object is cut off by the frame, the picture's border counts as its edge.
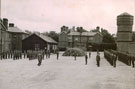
(30, 54)
(112, 57)
(15, 55)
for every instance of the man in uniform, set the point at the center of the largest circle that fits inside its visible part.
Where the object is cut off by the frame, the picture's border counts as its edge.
(86, 59)
(133, 60)
(39, 59)
(98, 59)
(114, 60)
(57, 55)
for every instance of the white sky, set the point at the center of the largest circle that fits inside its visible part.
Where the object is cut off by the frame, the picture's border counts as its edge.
(48, 15)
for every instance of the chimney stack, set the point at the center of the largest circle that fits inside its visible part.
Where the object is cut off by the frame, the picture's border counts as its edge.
(5, 22)
(11, 24)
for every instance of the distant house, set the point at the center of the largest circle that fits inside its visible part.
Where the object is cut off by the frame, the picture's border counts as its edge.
(84, 39)
(38, 42)
(76, 39)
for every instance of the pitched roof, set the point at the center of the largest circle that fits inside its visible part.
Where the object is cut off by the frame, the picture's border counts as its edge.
(45, 38)
(84, 33)
(15, 30)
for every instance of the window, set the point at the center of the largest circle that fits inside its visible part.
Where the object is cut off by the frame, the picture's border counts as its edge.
(76, 39)
(90, 38)
(37, 46)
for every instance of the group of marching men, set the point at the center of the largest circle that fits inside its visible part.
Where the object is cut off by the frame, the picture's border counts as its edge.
(112, 56)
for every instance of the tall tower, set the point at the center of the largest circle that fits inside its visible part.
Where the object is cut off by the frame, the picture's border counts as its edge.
(124, 31)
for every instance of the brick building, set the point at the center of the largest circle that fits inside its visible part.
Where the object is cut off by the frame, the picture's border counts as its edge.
(17, 35)
(77, 39)
(84, 39)
(10, 36)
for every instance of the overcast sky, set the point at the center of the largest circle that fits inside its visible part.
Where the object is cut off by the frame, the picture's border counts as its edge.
(48, 15)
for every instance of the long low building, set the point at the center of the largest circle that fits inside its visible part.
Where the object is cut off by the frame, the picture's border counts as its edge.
(39, 42)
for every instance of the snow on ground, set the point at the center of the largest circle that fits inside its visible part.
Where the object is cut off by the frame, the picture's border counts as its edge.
(65, 73)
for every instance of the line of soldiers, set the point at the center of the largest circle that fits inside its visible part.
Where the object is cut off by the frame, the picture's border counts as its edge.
(34, 54)
(126, 58)
(111, 57)
(16, 54)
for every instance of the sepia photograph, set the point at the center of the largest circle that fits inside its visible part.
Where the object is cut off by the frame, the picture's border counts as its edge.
(67, 44)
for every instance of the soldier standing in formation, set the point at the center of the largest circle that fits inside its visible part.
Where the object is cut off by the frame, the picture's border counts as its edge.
(57, 55)
(133, 61)
(39, 59)
(86, 59)
(98, 59)
(114, 60)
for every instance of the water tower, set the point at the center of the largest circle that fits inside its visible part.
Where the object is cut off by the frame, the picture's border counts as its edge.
(124, 31)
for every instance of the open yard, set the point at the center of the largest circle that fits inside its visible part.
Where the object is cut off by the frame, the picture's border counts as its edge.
(65, 73)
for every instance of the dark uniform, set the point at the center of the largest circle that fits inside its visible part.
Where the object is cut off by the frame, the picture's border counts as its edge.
(114, 60)
(86, 59)
(39, 59)
(57, 55)
(133, 61)
(98, 60)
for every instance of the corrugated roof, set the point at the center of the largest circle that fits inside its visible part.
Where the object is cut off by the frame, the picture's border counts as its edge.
(83, 33)
(45, 38)
(15, 30)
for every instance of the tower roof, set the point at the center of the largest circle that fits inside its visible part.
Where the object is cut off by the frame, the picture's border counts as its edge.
(125, 14)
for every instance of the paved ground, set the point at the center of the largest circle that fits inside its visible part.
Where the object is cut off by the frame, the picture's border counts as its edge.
(65, 73)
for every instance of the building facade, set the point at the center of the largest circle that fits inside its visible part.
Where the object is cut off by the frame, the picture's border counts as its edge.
(76, 39)
(10, 36)
(5, 39)
(84, 40)
(17, 35)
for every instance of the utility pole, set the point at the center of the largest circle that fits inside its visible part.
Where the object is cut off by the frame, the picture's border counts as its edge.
(0, 31)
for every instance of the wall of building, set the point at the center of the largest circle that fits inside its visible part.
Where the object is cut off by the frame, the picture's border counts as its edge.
(33, 42)
(97, 38)
(83, 41)
(132, 48)
(5, 39)
(16, 41)
(63, 41)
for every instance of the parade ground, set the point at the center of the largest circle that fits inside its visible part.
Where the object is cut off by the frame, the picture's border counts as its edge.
(65, 73)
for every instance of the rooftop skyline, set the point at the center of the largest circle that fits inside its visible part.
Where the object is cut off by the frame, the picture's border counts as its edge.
(48, 15)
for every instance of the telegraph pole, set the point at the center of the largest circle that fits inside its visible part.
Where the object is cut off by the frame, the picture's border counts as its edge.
(1, 31)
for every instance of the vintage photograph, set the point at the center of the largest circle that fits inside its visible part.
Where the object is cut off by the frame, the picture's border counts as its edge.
(67, 44)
